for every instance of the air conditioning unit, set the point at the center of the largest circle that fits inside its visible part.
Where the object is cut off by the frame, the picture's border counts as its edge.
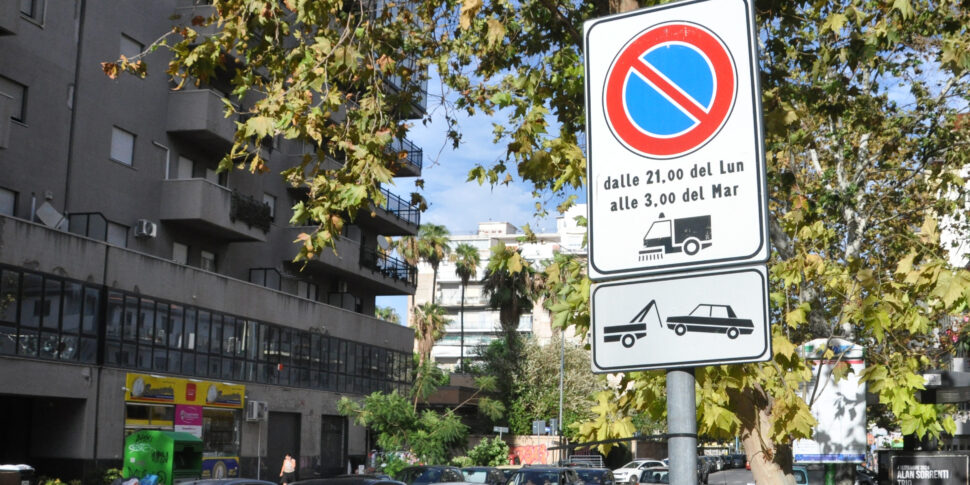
(256, 410)
(145, 228)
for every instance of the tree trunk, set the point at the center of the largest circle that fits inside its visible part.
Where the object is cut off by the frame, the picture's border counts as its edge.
(770, 462)
(619, 6)
(461, 352)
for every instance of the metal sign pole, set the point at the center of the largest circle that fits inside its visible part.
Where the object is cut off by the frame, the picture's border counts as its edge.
(682, 426)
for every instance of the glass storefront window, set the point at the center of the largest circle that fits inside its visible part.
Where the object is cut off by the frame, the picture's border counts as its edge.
(220, 431)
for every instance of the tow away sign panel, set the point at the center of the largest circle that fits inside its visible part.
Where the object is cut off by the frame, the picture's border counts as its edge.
(684, 320)
(674, 136)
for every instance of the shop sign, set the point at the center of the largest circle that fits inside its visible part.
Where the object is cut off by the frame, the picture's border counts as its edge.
(149, 388)
(188, 419)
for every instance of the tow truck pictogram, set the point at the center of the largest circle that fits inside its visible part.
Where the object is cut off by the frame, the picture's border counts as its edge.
(705, 318)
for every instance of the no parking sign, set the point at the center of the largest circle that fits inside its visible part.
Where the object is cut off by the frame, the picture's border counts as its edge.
(674, 140)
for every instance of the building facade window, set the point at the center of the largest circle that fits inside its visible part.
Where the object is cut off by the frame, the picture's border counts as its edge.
(185, 168)
(8, 202)
(117, 235)
(130, 48)
(207, 261)
(33, 9)
(17, 94)
(55, 318)
(122, 146)
(270, 200)
(306, 289)
(267, 277)
(180, 253)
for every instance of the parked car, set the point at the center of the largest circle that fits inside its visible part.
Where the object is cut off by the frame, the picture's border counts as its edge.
(228, 481)
(738, 460)
(655, 475)
(630, 472)
(483, 474)
(338, 480)
(815, 474)
(703, 470)
(425, 474)
(595, 476)
(545, 475)
(508, 471)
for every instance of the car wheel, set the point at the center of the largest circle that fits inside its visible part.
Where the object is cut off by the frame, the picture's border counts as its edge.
(680, 329)
(692, 246)
(733, 332)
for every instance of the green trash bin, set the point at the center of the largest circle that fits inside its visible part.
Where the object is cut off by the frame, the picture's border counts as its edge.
(172, 455)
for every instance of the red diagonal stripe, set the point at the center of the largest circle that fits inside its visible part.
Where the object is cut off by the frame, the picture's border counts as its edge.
(681, 101)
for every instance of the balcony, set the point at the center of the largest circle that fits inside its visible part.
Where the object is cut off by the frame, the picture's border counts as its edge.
(9, 17)
(389, 266)
(353, 262)
(198, 117)
(185, 15)
(395, 217)
(454, 300)
(419, 103)
(408, 164)
(212, 209)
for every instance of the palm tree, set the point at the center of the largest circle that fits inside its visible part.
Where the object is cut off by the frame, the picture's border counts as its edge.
(387, 314)
(429, 326)
(433, 247)
(409, 250)
(511, 285)
(466, 265)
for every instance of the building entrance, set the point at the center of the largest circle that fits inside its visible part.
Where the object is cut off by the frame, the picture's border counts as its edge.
(283, 437)
(43, 432)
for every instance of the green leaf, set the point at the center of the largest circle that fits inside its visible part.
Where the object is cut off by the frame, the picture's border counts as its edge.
(834, 22)
(906, 10)
(496, 32)
(259, 126)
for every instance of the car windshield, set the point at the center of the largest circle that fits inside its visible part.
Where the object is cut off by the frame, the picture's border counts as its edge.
(632, 464)
(475, 476)
(538, 478)
(591, 476)
(655, 476)
(420, 475)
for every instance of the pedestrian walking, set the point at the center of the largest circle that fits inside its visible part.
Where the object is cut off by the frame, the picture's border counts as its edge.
(288, 471)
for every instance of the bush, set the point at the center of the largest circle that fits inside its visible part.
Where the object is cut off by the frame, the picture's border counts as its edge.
(492, 452)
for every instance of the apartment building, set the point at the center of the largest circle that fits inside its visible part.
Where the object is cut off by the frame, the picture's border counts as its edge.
(481, 323)
(140, 288)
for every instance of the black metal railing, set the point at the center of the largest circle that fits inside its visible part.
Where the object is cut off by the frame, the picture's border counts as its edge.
(389, 266)
(401, 208)
(252, 212)
(398, 83)
(414, 153)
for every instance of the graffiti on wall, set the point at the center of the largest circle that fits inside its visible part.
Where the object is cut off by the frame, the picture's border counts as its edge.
(528, 454)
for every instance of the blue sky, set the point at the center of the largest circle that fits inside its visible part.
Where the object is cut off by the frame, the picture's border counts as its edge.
(453, 202)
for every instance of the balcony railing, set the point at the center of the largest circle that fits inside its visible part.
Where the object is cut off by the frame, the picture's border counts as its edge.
(414, 153)
(389, 266)
(420, 100)
(401, 208)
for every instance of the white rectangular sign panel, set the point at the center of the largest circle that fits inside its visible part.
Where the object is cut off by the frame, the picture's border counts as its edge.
(839, 407)
(684, 320)
(674, 140)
